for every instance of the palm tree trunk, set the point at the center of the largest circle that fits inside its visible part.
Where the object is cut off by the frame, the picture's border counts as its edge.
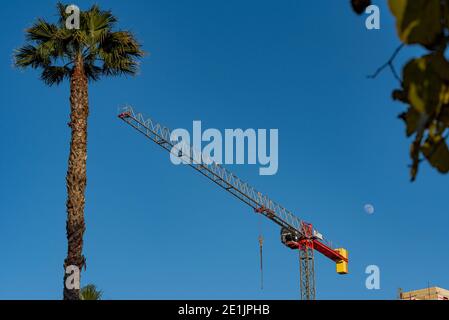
(76, 174)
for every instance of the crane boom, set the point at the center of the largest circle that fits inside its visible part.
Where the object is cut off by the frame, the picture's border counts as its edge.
(296, 233)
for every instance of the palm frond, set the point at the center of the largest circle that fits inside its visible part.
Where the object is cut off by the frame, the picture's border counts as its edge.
(120, 52)
(62, 15)
(41, 31)
(52, 75)
(122, 42)
(97, 23)
(30, 56)
(123, 66)
(90, 292)
(92, 71)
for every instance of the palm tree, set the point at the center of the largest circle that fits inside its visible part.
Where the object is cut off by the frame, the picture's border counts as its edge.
(79, 55)
(90, 292)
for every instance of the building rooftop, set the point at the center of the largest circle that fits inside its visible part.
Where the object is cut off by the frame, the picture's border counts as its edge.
(432, 293)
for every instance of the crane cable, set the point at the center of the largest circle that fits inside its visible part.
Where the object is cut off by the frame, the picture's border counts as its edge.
(261, 260)
(261, 254)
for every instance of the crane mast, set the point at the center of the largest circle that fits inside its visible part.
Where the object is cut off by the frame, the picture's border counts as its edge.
(295, 233)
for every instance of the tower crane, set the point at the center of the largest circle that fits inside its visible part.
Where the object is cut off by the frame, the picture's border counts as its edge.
(296, 234)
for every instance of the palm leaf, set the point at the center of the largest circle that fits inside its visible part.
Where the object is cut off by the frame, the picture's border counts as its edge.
(41, 31)
(90, 292)
(30, 56)
(52, 75)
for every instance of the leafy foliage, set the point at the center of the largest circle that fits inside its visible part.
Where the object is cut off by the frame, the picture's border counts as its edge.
(425, 80)
(54, 49)
(417, 21)
(90, 292)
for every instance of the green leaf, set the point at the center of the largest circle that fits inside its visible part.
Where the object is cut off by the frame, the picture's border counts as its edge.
(437, 153)
(90, 292)
(417, 21)
(414, 120)
(53, 75)
(41, 31)
(425, 83)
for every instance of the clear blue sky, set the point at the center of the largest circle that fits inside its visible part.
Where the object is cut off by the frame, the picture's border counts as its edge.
(159, 231)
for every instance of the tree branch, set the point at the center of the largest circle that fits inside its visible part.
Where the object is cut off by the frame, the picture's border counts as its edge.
(389, 64)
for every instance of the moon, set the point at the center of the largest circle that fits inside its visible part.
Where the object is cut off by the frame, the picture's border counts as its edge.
(369, 208)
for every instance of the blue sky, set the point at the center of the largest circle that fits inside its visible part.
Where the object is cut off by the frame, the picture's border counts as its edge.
(157, 231)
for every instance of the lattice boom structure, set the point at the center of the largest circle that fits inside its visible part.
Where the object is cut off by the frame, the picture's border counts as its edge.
(215, 172)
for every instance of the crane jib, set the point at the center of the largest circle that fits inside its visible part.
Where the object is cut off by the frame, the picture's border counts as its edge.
(295, 233)
(216, 172)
